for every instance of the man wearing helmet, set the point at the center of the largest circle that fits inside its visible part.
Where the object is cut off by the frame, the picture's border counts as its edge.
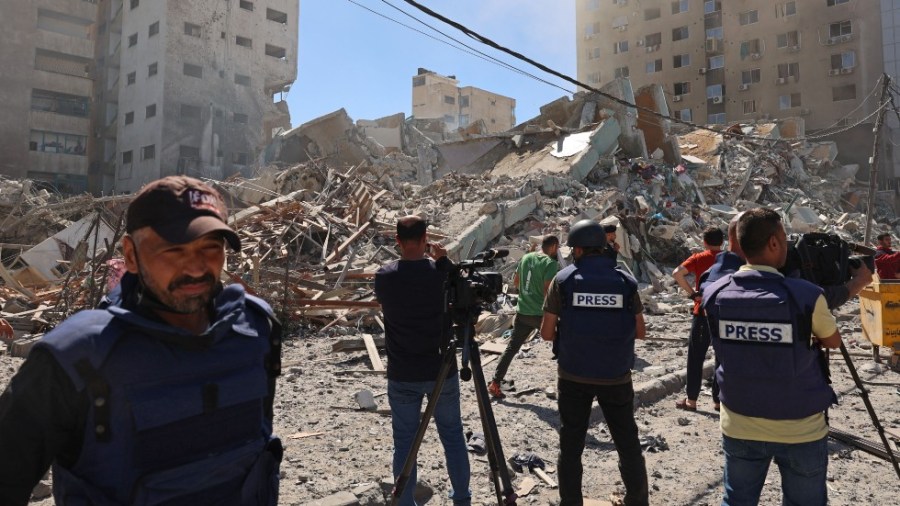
(588, 295)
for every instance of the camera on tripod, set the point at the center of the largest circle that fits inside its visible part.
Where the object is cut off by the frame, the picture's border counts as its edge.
(825, 259)
(467, 287)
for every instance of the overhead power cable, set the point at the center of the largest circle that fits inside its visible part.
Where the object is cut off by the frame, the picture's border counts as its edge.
(485, 40)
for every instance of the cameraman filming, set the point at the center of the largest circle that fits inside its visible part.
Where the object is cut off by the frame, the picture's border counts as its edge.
(411, 293)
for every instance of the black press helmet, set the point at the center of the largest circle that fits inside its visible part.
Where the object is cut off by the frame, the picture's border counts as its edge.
(586, 234)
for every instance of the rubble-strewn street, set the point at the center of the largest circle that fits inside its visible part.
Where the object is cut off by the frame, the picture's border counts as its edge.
(319, 219)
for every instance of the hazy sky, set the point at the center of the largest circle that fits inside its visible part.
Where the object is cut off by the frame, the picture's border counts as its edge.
(352, 58)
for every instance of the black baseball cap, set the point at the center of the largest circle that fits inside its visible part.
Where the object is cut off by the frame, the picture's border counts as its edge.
(180, 209)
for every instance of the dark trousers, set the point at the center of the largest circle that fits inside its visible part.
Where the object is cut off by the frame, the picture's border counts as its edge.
(617, 403)
(698, 343)
(522, 327)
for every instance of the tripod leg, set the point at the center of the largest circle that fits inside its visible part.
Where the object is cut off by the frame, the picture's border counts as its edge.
(400, 484)
(865, 397)
(499, 472)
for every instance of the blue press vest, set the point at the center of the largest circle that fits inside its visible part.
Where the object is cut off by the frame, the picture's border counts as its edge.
(175, 418)
(596, 327)
(752, 316)
(726, 263)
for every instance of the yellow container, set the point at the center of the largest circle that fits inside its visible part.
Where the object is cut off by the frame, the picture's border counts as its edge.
(879, 312)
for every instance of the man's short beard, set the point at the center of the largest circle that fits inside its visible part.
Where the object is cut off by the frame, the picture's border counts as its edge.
(186, 305)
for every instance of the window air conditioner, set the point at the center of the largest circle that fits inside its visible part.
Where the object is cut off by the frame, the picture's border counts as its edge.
(676, 98)
(717, 100)
(830, 41)
(846, 70)
(744, 87)
(846, 38)
(702, 70)
(834, 72)
(781, 80)
(755, 56)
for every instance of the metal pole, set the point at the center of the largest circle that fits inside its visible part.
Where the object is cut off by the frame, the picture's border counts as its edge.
(876, 150)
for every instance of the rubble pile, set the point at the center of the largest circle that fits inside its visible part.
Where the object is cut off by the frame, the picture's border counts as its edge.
(318, 218)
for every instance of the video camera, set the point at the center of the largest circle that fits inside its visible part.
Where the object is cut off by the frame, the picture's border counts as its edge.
(469, 288)
(825, 259)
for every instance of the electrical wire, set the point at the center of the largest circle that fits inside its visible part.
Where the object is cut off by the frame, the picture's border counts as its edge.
(484, 40)
(859, 106)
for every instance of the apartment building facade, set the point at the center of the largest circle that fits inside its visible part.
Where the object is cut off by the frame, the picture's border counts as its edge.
(46, 53)
(120, 92)
(439, 97)
(739, 60)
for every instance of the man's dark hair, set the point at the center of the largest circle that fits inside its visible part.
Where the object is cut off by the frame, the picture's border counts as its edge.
(755, 228)
(548, 242)
(609, 229)
(586, 252)
(713, 236)
(411, 228)
(881, 237)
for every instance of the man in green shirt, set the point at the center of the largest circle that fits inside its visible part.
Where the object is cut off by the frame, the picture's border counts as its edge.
(533, 275)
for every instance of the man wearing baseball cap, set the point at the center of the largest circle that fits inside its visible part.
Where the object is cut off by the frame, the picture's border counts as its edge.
(164, 395)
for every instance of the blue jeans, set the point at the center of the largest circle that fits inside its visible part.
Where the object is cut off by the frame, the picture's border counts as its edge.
(405, 398)
(803, 469)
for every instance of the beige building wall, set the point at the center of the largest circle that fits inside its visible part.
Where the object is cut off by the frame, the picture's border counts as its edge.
(729, 61)
(46, 49)
(439, 97)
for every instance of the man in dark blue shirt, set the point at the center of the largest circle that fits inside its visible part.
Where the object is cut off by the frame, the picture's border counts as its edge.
(411, 293)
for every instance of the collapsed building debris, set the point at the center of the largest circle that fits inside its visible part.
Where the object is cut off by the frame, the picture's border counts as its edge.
(318, 219)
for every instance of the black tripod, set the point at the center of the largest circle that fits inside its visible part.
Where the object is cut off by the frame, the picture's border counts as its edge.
(463, 330)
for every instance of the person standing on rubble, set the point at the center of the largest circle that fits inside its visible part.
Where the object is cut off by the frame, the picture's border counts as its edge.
(887, 261)
(533, 275)
(698, 342)
(165, 395)
(612, 247)
(598, 311)
(766, 330)
(411, 293)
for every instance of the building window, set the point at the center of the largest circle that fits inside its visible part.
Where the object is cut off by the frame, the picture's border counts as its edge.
(193, 70)
(243, 41)
(464, 101)
(593, 78)
(130, 78)
(785, 9)
(55, 142)
(190, 111)
(789, 40)
(449, 119)
(789, 101)
(750, 49)
(750, 76)
(681, 60)
(845, 60)
(786, 70)
(593, 52)
(654, 66)
(680, 33)
(247, 6)
(685, 115)
(418, 81)
(276, 52)
(192, 29)
(134, 4)
(749, 106)
(151, 111)
(276, 16)
(620, 47)
(152, 69)
(749, 17)
(711, 6)
(242, 80)
(240, 118)
(654, 39)
(592, 5)
(463, 120)
(679, 6)
(682, 88)
(840, 28)
(717, 32)
(716, 62)
(713, 91)
(591, 29)
(154, 29)
(148, 152)
(716, 119)
(621, 72)
(129, 118)
(449, 100)
(127, 157)
(240, 158)
(832, 3)
(846, 92)
(132, 40)
(60, 103)
(651, 13)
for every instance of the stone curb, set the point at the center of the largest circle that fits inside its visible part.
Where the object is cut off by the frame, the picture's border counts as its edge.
(650, 392)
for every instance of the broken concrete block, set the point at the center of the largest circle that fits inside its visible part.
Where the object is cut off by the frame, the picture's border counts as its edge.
(488, 208)
(805, 219)
(366, 400)
(663, 231)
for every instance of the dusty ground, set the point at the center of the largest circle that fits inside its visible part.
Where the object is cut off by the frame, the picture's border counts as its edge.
(353, 449)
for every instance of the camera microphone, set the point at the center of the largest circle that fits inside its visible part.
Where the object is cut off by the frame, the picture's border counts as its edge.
(492, 254)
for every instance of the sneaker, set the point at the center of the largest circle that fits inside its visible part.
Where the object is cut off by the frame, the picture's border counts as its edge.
(494, 390)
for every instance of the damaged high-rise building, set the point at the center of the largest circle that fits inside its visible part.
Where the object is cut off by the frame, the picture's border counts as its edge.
(118, 93)
(438, 97)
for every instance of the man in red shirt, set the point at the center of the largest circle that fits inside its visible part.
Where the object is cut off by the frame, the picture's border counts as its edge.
(698, 343)
(887, 260)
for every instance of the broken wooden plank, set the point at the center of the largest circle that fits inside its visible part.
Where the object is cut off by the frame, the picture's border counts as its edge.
(372, 349)
(545, 477)
(302, 435)
(346, 244)
(348, 345)
(526, 486)
(492, 347)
